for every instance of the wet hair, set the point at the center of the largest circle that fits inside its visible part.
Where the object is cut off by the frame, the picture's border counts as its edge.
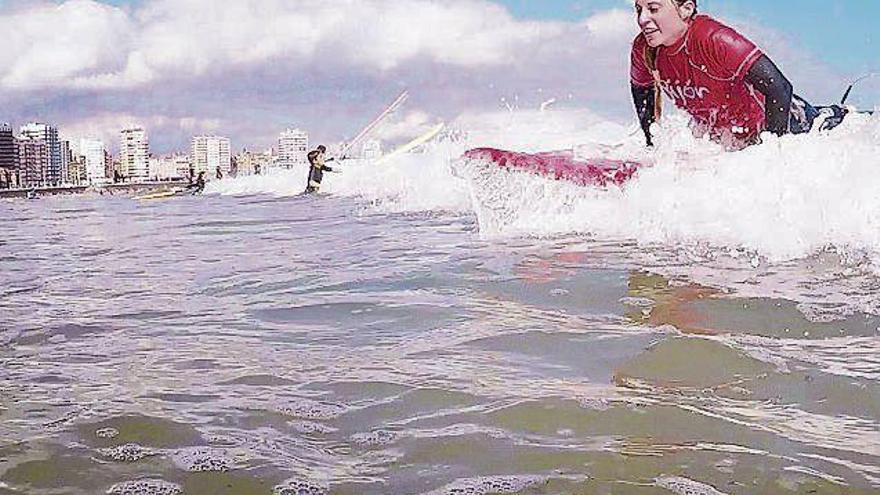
(679, 3)
(322, 148)
(313, 156)
(682, 2)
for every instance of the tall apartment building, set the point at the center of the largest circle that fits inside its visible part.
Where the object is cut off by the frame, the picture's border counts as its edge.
(52, 175)
(209, 153)
(8, 157)
(33, 161)
(182, 163)
(95, 161)
(134, 154)
(111, 168)
(66, 158)
(76, 171)
(293, 148)
(8, 153)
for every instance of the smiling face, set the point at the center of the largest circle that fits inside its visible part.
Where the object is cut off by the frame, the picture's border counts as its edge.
(663, 22)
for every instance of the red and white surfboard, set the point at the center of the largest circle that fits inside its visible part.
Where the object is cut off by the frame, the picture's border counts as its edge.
(597, 172)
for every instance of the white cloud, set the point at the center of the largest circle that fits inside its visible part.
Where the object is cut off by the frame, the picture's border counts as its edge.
(462, 32)
(85, 44)
(106, 126)
(50, 44)
(612, 25)
(197, 126)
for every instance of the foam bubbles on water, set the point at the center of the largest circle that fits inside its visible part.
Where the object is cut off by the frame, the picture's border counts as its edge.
(300, 487)
(376, 438)
(594, 403)
(313, 410)
(855, 357)
(202, 459)
(107, 433)
(638, 302)
(145, 487)
(311, 428)
(685, 486)
(825, 312)
(221, 440)
(130, 452)
(487, 485)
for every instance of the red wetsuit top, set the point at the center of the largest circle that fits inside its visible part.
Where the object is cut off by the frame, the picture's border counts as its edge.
(704, 73)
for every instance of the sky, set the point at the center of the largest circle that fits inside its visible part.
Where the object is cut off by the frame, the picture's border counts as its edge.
(839, 31)
(248, 69)
(842, 32)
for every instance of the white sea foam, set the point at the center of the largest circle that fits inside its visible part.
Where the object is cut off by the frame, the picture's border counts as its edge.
(685, 486)
(788, 198)
(854, 357)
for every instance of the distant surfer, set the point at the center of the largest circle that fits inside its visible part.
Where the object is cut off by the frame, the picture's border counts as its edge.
(219, 173)
(317, 167)
(197, 186)
(730, 88)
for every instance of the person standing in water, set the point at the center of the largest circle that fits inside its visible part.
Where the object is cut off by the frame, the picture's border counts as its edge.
(317, 167)
(197, 186)
(732, 90)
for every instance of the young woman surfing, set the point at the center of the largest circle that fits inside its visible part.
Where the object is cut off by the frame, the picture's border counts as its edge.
(731, 89)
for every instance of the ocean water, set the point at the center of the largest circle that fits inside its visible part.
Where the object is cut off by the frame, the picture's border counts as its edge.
(431, 327)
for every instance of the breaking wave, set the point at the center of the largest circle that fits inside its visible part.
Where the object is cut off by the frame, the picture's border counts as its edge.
(787, 199)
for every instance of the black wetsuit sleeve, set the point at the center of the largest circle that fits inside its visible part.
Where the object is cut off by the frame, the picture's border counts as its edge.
(327, 169)
(765, 77)
(644, 99)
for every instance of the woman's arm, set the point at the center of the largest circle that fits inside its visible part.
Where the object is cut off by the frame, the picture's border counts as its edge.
(644, 99)
(769, 81)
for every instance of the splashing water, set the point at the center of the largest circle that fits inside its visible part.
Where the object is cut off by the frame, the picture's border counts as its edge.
(787, 199)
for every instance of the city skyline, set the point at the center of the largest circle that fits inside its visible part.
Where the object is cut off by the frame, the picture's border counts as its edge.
(36, 157)
(113, 145)
(253, 68)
